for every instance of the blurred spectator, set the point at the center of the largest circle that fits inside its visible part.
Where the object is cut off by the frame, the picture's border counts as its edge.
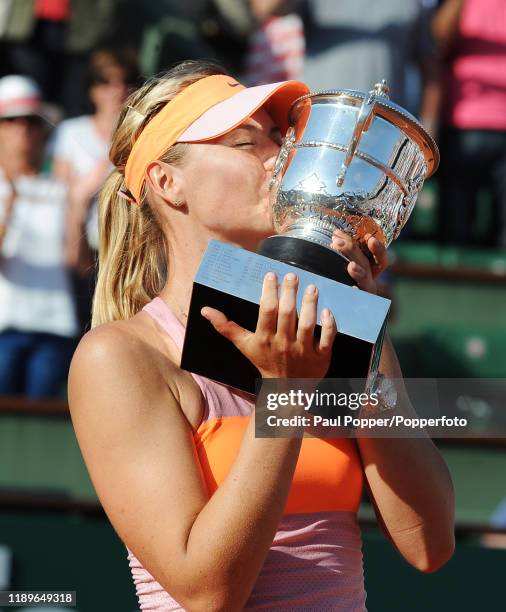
(356, 43)
(81, 149)
(169, 31)
(472, 38)
(276, 47)
(50, 40)
(37, 320)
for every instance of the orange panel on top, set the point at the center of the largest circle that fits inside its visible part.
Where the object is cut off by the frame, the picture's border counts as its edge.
(328, 475)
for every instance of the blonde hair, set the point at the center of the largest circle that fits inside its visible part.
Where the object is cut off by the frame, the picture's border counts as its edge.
(132, 256)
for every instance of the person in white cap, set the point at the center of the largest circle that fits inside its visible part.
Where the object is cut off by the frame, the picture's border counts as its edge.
(214, 517)
(38, 327)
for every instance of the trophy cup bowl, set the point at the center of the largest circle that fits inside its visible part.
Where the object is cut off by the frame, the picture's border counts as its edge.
(352, 161)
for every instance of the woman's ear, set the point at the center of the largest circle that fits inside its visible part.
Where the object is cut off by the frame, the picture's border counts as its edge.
(165, 181)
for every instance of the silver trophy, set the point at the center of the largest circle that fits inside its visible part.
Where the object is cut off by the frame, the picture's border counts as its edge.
(350, 160)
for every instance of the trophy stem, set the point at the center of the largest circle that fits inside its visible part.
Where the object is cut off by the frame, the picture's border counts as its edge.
(307, 255)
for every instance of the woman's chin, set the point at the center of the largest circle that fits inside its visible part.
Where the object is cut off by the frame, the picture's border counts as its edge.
(252, 239)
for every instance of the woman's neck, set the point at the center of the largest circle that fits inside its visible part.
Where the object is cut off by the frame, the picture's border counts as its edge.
(183, 262)
(18, 166)
(184, 258)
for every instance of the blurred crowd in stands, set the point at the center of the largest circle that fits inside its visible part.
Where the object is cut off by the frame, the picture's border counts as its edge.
(66, 67)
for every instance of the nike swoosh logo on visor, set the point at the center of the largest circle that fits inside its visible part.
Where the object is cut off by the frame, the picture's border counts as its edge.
(233, 84)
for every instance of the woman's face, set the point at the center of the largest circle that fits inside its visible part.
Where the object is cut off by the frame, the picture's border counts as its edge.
(109, 92)
(22, 137)
(226, 182)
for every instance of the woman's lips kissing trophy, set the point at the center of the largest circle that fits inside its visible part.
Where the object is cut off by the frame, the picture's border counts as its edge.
(352, 161)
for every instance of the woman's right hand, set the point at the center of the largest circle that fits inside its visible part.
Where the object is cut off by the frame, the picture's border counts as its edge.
(282, 346)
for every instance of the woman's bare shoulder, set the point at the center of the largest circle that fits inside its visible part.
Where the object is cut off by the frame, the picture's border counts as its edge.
(123, 359)
(121, 352)
(114, 344)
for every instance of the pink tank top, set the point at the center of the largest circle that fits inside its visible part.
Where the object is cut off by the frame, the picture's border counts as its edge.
(315, 560)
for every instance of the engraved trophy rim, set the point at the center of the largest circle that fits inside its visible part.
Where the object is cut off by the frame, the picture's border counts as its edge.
(412, 126)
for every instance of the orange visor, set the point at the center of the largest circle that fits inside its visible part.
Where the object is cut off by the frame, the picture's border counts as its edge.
(204, 110)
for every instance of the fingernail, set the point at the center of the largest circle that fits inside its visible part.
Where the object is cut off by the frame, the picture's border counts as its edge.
(326, 315)
(204, 314)
(358, 269)
(290, 276)
(338, 241)
(310, 289)
(270, 276)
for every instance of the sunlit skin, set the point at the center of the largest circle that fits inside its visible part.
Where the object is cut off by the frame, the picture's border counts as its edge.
(225, 184)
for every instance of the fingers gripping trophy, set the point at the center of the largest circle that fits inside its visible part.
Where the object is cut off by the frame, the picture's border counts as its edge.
(352, 161)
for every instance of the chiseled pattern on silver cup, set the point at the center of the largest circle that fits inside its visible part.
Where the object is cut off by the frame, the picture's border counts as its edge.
(314, 190)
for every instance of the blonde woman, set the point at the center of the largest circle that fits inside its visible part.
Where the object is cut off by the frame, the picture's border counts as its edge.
(214, 518)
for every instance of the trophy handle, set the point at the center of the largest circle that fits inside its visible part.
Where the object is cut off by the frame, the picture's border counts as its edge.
(282, 157)
(364, 120)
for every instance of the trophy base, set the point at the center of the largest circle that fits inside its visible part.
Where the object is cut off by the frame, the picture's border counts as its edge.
(230, 279)
(307, 255)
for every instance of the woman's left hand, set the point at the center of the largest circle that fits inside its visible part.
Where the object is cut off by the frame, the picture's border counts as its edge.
(362, 270)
